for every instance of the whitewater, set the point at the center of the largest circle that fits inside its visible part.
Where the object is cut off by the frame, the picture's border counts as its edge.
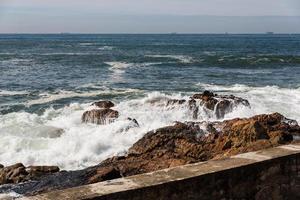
(57, 136)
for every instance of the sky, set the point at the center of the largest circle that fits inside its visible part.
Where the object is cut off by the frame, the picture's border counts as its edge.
(149, 16)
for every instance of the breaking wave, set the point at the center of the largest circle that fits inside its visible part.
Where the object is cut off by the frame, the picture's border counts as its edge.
(181, 58)
(12, 93)
(57, 136)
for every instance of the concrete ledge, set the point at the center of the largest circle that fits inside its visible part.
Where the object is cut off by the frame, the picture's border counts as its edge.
(263, 175)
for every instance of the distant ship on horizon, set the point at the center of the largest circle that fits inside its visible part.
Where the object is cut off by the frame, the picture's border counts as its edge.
(269, 33)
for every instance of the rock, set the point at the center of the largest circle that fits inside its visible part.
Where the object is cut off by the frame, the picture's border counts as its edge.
(18, 173)
(179, 144)
(220, 104)
(134, 122)
(13, 174)
(100, 116)
(41, 170)
(1, 166)
(102, 174)
(213, 104)
(104, 104)
(191, 142)
(172, 102)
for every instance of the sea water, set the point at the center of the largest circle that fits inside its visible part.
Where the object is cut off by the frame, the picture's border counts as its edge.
(48, 81)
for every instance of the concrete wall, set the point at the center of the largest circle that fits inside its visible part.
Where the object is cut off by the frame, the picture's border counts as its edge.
(267, 174)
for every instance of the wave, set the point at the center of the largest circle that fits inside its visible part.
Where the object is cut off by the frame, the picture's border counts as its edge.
(62, 94)
(13, 93)
(87, 44)
(266, 99)
(181, 58)
(118, 65)
(16, 61)
(106, 48)
(260, 59)
(57, 136)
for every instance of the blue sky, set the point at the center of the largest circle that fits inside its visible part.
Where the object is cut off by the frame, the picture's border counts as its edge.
(149, 16)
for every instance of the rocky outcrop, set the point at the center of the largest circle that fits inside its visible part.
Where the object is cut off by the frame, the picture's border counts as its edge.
(100, 116)
(104, 104)
(192, 142)
(212, 104)
(175, 145)
(19, 173)
(220, 104)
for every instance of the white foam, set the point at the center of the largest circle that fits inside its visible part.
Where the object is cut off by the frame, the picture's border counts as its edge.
(62, 94)
(37, 139)
(181, 58)
(118, 65)
(12, 93)
(15, 61)
(86, 44)
(106, 48)
(267, 99)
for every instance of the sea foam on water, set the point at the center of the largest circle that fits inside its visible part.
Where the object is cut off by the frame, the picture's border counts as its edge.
(57, 136)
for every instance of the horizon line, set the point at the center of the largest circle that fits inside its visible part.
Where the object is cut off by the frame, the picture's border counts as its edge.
(145, 33)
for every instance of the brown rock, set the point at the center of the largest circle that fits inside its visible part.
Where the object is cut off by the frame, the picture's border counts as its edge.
(104, 104)
(100, 116)
(18, 173)
(41, 170)
(191, 142)
(102, 174)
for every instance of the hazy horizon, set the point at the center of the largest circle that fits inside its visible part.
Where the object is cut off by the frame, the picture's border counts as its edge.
(145, 16)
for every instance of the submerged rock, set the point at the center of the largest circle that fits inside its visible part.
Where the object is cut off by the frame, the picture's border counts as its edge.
(171, 146)
(100, 116)
(104, 104)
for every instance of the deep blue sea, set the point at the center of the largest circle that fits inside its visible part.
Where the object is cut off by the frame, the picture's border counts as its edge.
(47, 81)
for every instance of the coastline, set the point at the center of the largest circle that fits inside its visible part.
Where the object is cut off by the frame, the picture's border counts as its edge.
(180, 144)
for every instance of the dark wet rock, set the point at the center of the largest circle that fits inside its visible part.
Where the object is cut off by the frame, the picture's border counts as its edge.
(100, 116)
(18, 173)
(172, 102)
(220, 104)
(134, 122)
(212, 104)
(170, 146)
(104, 104)
(1, 166)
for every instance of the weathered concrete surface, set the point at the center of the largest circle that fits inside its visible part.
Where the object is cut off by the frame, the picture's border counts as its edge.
(267, 174)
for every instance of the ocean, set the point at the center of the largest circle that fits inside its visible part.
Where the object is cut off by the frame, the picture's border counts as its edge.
(48, 81)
